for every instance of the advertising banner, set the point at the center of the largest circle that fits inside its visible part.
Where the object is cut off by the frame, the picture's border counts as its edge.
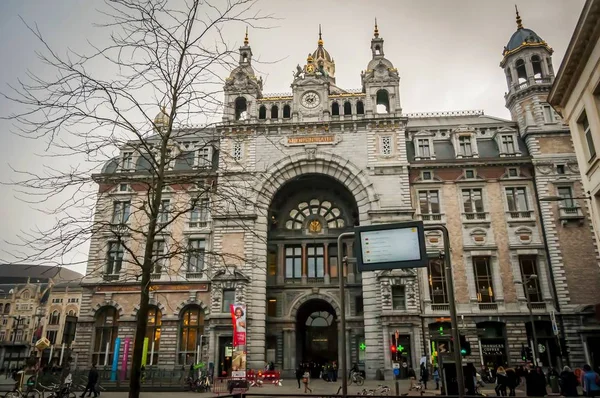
(238, 317)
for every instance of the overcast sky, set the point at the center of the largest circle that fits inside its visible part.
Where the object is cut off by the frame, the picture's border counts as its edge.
(447, 54)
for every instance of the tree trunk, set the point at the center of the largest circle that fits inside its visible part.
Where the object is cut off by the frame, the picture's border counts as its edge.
(140, 334)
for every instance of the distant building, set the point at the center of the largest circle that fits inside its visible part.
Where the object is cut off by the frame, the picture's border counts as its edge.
(27, 293)
(320, 160)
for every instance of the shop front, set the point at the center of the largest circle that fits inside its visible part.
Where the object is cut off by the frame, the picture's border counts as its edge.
(492, 344)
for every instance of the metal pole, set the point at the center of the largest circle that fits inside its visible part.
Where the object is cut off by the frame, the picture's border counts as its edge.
(535, 343)
(452, 304)
(344, 366)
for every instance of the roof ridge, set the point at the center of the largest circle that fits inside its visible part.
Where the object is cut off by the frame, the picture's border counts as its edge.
(422, 115)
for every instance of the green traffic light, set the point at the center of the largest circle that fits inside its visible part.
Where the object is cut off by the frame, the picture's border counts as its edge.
(400, 348)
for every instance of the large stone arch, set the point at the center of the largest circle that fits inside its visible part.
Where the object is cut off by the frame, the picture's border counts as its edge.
(109, 303)
(152, 303)
(299, 302)
(190, 302)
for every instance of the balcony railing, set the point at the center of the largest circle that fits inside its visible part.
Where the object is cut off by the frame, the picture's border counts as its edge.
(440, 307)
(110, 277)
(546, 80)
(488, 306)
(520, 214)
(538, 306)
(155, 275)
(475, 216)
(431, 217)
(194, 275)
(119, 228)
(201, 224)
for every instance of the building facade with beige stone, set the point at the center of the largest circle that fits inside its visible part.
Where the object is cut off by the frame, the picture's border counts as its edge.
(283, 175)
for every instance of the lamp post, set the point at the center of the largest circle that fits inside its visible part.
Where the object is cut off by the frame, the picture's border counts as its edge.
(532, 277)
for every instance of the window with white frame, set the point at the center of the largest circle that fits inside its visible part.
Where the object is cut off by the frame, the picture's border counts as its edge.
(127, 161)
(121, 212)
(549, 116)
(429, 204)
(507, 144)
(512, 172)
(516, 201)
(399, 298)
(483, 279)
(473, 203)
(237, 152)
(465, 147)
(199, 213)
(587, 136)
(164, 211)
(424, 148)
(158, 256)
(115, 258)
(566, 193)
(196, 250)
(386, 145)
(204, 156)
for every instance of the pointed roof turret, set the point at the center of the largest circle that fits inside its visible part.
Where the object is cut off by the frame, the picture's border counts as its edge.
(323, 59)
(376, 30)
(523, 37)
(519, 21)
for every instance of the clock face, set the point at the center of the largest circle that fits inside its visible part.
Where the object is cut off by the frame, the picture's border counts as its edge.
(311, 100)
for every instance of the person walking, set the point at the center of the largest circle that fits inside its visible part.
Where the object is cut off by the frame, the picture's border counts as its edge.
(591, 382)
(412, 376)
(568, 383)
(539, 382)
(306, 381)
(512, 381)
(436, 377)
(424, 375)
(299, 373)
(91, 383)
(501, 380)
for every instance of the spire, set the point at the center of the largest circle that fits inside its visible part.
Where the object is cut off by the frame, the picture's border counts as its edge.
(376, 31)
(246, 41)
(519, 21)
(320, 42)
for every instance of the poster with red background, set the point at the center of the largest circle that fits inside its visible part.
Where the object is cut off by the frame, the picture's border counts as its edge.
(238, 317)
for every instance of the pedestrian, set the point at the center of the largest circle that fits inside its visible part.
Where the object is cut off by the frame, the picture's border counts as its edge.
(568, 383)
(512, 381)
(299, 374)
(537, 379)
(424, 375)
(91, 383)
(306, 380)
(591, 382)
(335, 371)
(501, 382)
(436, 377)
(412, 376)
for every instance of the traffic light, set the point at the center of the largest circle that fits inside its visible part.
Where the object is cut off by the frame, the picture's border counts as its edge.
(523, 352)
(465, 346)
(441, 330)
(393, 349)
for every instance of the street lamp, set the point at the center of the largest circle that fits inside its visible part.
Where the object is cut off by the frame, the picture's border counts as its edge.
(532, 277)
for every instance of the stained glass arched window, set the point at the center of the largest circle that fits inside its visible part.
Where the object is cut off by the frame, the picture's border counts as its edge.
(323, 208)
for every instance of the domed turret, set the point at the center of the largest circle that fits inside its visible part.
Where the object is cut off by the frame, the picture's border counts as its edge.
(323, 60)
(162, 119)
(523, 37)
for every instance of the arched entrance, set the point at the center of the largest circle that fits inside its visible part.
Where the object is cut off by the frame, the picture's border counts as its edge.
(317, 336)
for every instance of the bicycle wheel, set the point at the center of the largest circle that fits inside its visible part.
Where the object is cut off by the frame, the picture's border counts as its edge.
(359, 380)
(33, 394)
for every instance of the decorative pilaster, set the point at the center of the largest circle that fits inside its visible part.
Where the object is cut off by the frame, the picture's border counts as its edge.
(280, 264)
(304, 264)
(326, 277)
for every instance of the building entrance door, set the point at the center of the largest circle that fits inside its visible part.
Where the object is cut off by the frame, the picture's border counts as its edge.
(316, 329)
(225, 356)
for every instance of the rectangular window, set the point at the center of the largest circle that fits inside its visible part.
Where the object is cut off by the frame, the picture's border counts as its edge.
(566, 193)
(398, 298)
(293, 262)
(426, 176)
(464, 145)
(158, 256)
(272, 307)
(513, 172)
(2, 335)
(315, 260)
(429, 202)
(549, 114)
(473, 201)
(51, 335)
(386, 145)
(164, 212)
(127, 161)
(528, 266)
(115, 259)
(199, 213)
(196, 249)
(469, 174)
(121, 212)
(437, 282)
(560, 169)
(508, 144)
(587, 132)
(483, 279)
(228, 300)
(204, 157)
(358, 305)
(516, 199)
(237, 151)
(423, 148)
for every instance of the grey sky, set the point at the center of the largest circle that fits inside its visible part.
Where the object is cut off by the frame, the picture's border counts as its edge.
(447, 54)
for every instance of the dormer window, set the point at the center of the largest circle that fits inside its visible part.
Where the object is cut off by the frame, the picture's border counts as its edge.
(465, 148)
(426, 176)
(507, 142)
(470, 174)
(127, 161)
(513, 172)
(424, 148)
(204, 158)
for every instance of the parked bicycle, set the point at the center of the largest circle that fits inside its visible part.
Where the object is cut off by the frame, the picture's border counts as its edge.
(380, 390)
(356, 378)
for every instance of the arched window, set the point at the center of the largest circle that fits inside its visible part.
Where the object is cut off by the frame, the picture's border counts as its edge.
(287, 111)
(26, 295)
(191, 327)
(54, 318)
(347, 108)
(521, 72)
(383, 101)
(241, 107)
(245, 57)
(7, 308)
(105, 334)
(331, 214)
(72, 313)
(335, 109)
(274, 112)
(536, 62)
(153, 330)
(262, 112)
(360, 108)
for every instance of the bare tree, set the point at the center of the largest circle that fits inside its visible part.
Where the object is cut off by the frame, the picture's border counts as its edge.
(102, 106)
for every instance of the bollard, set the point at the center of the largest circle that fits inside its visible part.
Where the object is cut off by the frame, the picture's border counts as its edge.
(397, 388)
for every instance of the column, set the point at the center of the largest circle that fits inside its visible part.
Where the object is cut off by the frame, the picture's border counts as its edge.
(497, 279)
(387, 355)
(304, 264)
(280, 263)
(287, 352)
(351, 276)
(292, 348)
(326, 278)
(212, 344)
(423, 274)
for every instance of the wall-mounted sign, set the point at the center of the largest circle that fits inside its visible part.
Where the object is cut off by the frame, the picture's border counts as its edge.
(492, 349)
(391, 246)
(311, 139)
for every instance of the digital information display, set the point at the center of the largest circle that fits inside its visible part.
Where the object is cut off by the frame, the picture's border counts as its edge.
(391, 246)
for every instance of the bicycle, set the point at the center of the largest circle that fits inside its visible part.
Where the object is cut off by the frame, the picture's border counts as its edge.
(18, 392)
(380, 390)
(356, 378)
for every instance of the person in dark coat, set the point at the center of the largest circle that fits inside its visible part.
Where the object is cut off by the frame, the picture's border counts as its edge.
(299, 373)
(536, 383)
(568, 383)
(501, 382)
(91, 384)
(424, 375)
(512, 381)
